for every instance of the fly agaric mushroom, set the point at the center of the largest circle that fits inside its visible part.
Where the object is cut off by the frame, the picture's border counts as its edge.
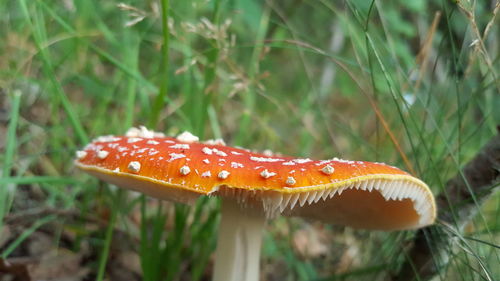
(255, 186)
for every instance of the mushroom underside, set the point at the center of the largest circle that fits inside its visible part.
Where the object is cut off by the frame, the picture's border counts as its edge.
(371, 204)
(144, 185)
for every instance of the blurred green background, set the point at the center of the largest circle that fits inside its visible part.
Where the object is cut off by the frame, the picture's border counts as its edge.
(410, 83)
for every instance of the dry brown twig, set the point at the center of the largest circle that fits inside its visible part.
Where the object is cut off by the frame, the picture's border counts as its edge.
(478, 42)
(424, 54)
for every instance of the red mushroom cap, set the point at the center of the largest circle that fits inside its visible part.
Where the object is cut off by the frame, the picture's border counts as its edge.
(181, 169)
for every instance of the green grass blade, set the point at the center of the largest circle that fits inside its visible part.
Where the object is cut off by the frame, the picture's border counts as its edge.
(25, 234)
(38, 180)
(160, 99)
(103, 259)
(37, 32)
(10, 149)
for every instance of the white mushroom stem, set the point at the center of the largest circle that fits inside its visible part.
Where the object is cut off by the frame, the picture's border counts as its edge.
(238, 245)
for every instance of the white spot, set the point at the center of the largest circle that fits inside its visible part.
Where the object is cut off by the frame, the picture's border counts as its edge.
(323, 162)
(180, 146)
(108, 138)
(290, 181)
(266, 174)
(289, 163)
(268, 152)
(184, 170)
(152, 142)
(142, 132)
(93, 146)
(236, 153)
(328, 169)
(236, 165)
(122, 149)
(218, 152)
(215, 142)
(153, 152)
(343, 161)
(113, 145)
(223, 175)
(134, 139)
(101, 154)
(134, 166)
(265, 159)
(302, 160)
(206, 174)
(133, 132)
(116, 170)
(206, 150)
(206, 161)
(187, 137)
(80, 154)
(174, 156)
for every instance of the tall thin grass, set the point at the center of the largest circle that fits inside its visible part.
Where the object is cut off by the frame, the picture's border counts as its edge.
(414, 84)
